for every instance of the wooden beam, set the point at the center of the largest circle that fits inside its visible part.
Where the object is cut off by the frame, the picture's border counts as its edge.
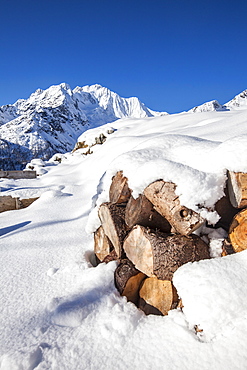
(18, 174)
(7, 203)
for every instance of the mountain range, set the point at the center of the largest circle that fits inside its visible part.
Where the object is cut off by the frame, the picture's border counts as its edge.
(51, 120)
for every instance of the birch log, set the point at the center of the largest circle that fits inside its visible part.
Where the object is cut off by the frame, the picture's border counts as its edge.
(162, 195)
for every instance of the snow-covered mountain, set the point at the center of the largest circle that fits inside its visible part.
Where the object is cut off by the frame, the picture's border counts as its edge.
(210, 106)
(51, 120)
(238, 102)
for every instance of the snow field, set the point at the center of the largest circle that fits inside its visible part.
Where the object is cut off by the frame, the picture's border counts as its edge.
(60, 312)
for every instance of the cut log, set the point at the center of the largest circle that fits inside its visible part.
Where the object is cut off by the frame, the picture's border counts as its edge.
(112, 256)
(141, 211)
(162, 195)
(159, 254)
(128, 280)
(119, 190)
(113, 222)
(227, 248)
(157, 296)
(102, 244)
(238, 231)
(226, 211)
(237, 187)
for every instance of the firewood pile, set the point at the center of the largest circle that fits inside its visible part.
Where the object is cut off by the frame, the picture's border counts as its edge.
(152, 236)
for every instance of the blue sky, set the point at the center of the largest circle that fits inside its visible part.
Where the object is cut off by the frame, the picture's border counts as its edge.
(173, 54)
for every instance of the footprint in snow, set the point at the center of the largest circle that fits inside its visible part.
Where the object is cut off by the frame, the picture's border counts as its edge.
(52, 271)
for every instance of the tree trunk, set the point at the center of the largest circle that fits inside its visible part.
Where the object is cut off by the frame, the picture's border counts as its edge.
(128, 280)
(237, 185)
(159, 254)
(157, 296)
(141, 211)
(162, 195)
(119, 191)
(102, 244)
(238, 231)
(112, 220)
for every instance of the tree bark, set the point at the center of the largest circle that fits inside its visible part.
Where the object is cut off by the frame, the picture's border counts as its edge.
(162, 195)
(113, 222)
(237, 185)
(157, 296)
(238, 231)
(128, 280)
(159, 254)
(119, 191)
(141, 211)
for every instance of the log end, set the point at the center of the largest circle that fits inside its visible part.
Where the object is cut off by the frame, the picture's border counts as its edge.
(157, 296)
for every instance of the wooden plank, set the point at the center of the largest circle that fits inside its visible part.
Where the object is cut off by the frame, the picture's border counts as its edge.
(7, 203)
(18, 174)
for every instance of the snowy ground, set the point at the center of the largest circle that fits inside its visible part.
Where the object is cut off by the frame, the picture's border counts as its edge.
(59, 312)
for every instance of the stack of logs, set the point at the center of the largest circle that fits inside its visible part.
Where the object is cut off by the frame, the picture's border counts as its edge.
(152, 236)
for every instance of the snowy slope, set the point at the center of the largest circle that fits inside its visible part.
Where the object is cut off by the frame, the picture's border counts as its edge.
(59, 312)
(51, 120)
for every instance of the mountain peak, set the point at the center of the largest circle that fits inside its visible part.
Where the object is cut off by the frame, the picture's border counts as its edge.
(209, 106)
(64, 86)
(239, 101)
(51, 120)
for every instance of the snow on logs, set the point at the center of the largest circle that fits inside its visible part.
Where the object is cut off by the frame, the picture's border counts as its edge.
(137, 232)
(151, 237)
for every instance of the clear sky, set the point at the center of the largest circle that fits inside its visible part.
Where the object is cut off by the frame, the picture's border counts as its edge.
(172, 54)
